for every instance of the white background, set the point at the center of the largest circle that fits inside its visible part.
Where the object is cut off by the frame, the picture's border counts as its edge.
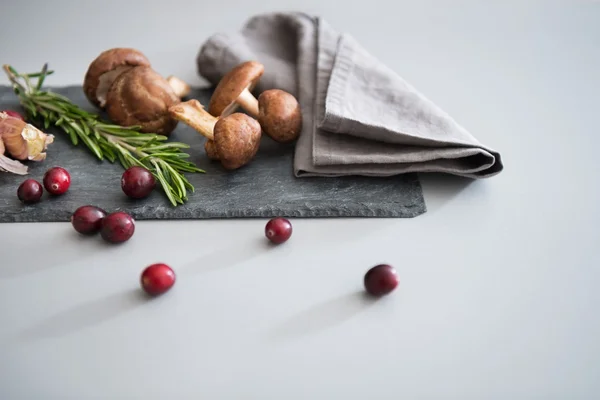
(499, 279)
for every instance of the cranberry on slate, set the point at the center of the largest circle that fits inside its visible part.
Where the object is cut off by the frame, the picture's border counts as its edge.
(117, 227)
(14, 114)
(381, 280)
(30, 191)
(157, 279)
(88, 219)
(57, 180)
(137, 182)
(278, 230)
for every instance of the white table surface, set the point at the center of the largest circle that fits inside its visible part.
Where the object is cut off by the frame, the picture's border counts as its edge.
(499, 279)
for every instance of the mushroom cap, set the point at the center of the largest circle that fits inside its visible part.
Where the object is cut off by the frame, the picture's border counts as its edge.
(211, 151)
(279, 115)
(142, 97)
(237, 138)
(243, 76)
(114, 62)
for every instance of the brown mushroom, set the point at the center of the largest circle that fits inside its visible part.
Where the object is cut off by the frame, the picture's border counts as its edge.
(111, 63)
(233, 139)
(141, 96)
(106, 68)
(279, 115)
(237, 138)
(235, 89)
(211, 151)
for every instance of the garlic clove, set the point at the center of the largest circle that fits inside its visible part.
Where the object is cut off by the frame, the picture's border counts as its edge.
(10, 132)
(37, 142)
(8, 165)
(22, 140)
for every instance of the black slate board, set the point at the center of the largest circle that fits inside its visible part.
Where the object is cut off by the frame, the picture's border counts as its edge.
(264, 188)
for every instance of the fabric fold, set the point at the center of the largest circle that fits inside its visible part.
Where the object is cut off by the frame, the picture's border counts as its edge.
(359, 116)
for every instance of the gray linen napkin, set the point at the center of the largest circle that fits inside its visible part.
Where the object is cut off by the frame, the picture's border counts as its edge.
(359, 116)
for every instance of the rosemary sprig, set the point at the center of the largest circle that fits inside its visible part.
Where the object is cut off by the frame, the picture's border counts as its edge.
(106, 141)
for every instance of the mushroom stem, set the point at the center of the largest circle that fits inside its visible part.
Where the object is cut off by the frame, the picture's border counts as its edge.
(180, 87)
(193, 114)
(248, 102)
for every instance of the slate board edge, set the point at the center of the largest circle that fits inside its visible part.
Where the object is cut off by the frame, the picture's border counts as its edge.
(364, 212)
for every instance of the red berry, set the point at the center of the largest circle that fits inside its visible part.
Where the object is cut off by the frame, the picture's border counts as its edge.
(381, 280)
(137, 182)
(88, 219)
(117, 227)
(30, 191)
(278, 230)
(157, 279)
(57, 180)
(14, 114)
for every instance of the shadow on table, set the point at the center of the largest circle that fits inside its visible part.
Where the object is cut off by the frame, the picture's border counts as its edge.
(259, 246)
(85, 315)
(439, 189)
(323, 316)
(45, 254)
(226, 257)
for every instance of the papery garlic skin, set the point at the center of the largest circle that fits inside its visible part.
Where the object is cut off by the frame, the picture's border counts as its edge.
(37, 142)
(8, 165)
(22, 140)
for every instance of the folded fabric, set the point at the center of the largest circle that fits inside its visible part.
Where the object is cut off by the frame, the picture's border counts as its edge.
(359, 116)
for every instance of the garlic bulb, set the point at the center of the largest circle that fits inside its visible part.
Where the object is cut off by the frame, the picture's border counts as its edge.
(22, 140)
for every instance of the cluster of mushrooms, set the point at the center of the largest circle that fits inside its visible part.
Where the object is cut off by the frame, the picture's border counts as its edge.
(122, 82)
